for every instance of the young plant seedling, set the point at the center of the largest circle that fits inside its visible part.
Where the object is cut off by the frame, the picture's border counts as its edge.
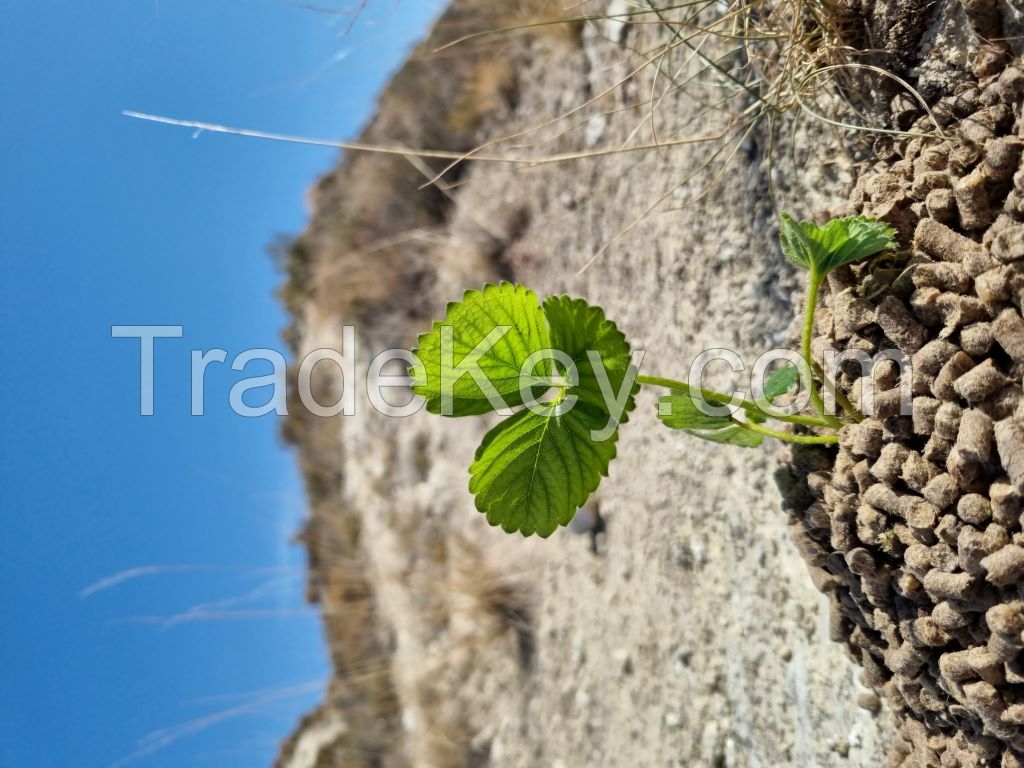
(563, 376)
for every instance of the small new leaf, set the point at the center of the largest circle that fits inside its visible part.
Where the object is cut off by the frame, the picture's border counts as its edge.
(680, 411)
(796, 245)
(734, 435)
(780, 382)
(839, 242)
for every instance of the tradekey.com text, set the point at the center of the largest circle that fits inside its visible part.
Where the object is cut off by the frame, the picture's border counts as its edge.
(388, 385)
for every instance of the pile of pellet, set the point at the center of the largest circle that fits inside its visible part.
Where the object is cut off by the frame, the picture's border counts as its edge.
(913, 526)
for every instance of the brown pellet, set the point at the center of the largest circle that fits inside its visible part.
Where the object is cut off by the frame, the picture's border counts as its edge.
(937, 449)
(992, 286)
(941, 205)
(956, 311)
(967, 473)
(1005, 501)
(954, 368)
(884, 498)
(1008, 244)
(947, 420)
(942, 491)
(974, 509)
(948, 586)
(851, 311)
(924, 411)
(1007, 618)
(933, 355)
(1008, 332)
(1009, 434)
(955, 667)
(889, 465)
(979, 383)
(943, 243)
(870, 524)
(946, 616)
(971, 195)
(904, 331)
(944, 275)
(917, 471)
(972, 549)
(864, 439)
(975, 438)
(976, 339)
(920, 514)
(905, 660)
(1004, 566)
(1002, 156)
(985, 665)
(924, 632)
(948, 528)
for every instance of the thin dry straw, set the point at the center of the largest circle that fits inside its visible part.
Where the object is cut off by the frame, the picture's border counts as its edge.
(849, 126)
(405, 151)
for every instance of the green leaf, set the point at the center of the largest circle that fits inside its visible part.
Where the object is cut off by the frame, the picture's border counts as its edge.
(534, 470)
(839, 242)
(852, 239)
(796, 245)
(680, 411)
(780, 382)
(734, 435)
(470, 325)
(580, 330)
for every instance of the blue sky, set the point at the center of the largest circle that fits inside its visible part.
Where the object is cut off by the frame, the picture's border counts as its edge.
(109, 221)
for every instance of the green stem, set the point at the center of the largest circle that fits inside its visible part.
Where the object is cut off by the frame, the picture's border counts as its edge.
(813, 284)
(843, 400)
(719, 398)
(788, 437)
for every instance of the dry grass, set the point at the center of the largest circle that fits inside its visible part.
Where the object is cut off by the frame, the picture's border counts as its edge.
(753, 61)
(497, 604)
(749, 62)
(756, 67)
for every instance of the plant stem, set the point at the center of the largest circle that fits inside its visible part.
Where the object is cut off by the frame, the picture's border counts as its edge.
(813, 284)
(846, 405)
(720, 398)
(788, 437)
(843, 400)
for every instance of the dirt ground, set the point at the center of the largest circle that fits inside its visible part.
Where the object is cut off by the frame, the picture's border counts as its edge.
(693, 637)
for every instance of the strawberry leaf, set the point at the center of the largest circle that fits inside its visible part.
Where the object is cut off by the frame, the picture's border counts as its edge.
(538, 466)
(498, 329)
(596, 346)
(534, 470)
(796, 245)
(734, 435)
(839, 242)
(680, 411)
(780, 382)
